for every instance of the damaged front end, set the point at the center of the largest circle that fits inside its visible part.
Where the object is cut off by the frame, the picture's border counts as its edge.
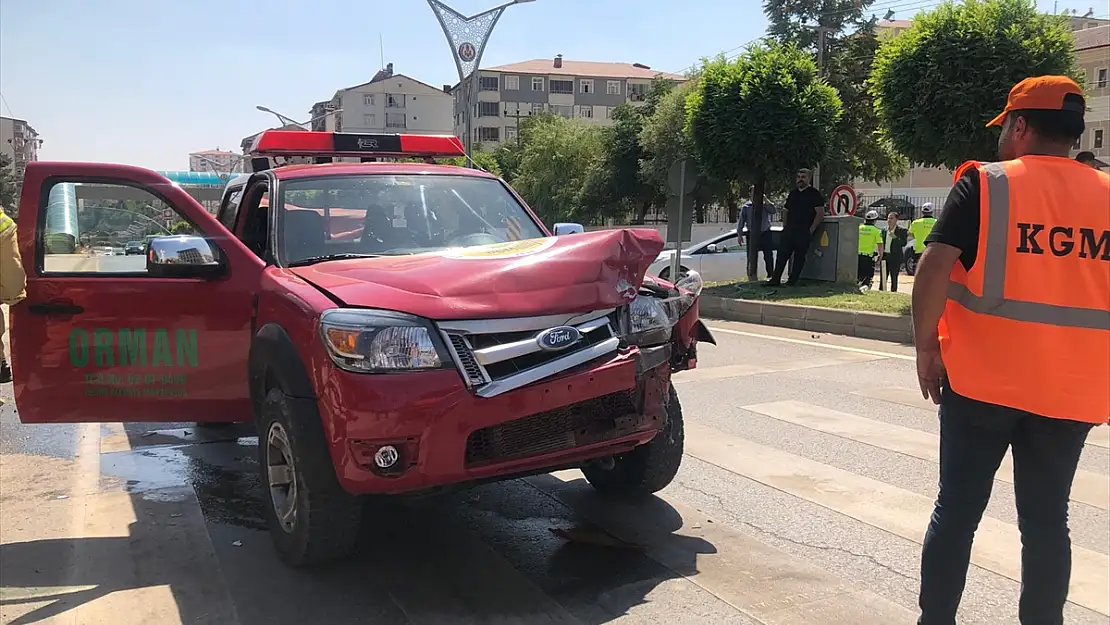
(663, 322)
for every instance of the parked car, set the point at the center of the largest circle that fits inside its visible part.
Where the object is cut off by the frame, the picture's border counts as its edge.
(717, 259)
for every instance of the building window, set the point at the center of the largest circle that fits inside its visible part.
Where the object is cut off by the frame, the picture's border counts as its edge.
(587, 86)
(1078, 143)
(609, 112)
(489, 109)
(1097, 143)
(395, 100)
(562, 86)
(512, 109)
(395, 120)
(538, 107)
(488, 83)
(512, 83)
(489, 134)
(370, 120)
(368, 99)
(637, 92)
(510, 133)
(586, 111)
(537, 84)
(613, 87)
(1102, 78)
(563, 111)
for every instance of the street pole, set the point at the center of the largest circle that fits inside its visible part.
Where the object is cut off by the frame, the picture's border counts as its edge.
(467, 35)
(677, 259)
(821, 32)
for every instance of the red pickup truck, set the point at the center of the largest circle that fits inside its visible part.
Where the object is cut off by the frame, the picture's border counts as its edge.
(390, 327)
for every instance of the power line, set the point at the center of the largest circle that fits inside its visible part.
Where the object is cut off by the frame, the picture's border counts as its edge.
(6, 105)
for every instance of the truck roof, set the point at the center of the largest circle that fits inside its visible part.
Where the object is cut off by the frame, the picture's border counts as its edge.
(290, 172)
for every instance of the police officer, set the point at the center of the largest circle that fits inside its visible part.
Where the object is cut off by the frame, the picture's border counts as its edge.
(870, 249)
(13, 282)
(920, 229)
(1012, 335)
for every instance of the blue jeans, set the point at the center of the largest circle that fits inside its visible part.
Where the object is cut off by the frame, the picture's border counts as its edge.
(974, 437)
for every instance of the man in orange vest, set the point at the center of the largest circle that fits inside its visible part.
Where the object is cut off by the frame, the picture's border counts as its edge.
(1011, 310)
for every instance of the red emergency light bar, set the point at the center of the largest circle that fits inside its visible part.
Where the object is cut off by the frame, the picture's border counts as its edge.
(309, 143)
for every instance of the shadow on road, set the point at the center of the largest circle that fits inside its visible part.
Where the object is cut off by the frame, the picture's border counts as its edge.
(538, 550)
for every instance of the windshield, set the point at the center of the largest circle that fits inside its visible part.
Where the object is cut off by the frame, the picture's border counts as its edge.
(386, 215)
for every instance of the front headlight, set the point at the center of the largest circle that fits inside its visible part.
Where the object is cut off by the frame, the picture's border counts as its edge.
(651, 318)
(379, 341)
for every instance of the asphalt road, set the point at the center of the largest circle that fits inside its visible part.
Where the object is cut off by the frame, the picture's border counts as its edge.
(808, 481)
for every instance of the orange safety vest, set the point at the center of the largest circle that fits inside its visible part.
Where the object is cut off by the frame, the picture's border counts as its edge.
(1029, 325)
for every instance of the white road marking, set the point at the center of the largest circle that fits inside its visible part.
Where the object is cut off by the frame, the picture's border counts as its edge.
(736, 371)
(759, 580)
(897, 511)
(843, 348)
(1089, 488)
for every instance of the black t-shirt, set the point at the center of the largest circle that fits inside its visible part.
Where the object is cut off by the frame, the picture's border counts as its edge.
(958, 224)
(801, 208)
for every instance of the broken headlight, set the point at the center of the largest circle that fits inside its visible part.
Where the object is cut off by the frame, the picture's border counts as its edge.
(657, 309)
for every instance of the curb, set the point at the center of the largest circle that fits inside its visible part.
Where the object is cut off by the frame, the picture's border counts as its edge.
(866, 325)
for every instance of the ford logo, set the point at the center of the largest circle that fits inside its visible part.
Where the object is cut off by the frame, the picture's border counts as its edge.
(558, 338)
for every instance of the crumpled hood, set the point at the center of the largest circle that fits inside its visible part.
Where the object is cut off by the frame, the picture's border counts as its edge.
(573, 273)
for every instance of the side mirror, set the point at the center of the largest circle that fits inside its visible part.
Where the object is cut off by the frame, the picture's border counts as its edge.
(564, 229)
(712, 248)
(183, 256)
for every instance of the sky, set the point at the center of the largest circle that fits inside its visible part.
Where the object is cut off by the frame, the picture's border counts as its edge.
(145, 82)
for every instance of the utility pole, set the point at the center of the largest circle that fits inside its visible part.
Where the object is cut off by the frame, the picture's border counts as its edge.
(822, 31)
(467, 35)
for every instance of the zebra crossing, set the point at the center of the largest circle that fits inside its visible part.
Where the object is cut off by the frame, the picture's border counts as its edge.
(763, 582)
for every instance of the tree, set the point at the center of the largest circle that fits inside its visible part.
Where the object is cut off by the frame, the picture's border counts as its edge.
(615, 186)
(858, 151)
(9, 186)
(755, 117)
(556, 156)
(938, 84)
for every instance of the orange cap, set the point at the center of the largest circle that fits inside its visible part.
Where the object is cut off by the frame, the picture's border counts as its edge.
(1045, 93)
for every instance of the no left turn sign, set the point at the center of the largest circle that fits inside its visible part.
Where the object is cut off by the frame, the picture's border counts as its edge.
(843, 201)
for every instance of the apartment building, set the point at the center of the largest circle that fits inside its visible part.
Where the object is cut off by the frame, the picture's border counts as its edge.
(19, 142)
(1092, 54)
(389, 103)
(1092, 45)
(584, 89)
(219, 161)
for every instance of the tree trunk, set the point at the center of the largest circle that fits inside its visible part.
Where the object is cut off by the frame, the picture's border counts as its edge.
(641, 213)
(733, 205)
(755, 222)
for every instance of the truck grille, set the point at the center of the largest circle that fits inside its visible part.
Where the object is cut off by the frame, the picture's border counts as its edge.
(584, 423)
(497, 355)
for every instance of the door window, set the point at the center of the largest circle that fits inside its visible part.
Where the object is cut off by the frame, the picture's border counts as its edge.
(99, 228)
(229, 208)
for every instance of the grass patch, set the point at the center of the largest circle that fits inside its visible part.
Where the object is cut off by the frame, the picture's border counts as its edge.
(824, 294)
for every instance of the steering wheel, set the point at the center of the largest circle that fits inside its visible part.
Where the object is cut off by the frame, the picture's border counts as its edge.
(478, 238)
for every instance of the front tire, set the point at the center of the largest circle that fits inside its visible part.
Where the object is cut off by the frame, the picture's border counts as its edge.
(910, 264)
(312, 519)
(649, 468)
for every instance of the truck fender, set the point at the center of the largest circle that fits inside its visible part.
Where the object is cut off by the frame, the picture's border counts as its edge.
(274, 360)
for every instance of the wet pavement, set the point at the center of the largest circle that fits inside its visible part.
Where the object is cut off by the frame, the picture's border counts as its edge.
(800, 501)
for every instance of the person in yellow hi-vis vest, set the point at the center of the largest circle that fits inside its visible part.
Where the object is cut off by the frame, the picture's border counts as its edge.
(870, 249)
(920, 229)
(13, 282)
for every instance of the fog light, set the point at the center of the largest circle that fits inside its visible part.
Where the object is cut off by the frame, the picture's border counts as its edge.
(386, 456)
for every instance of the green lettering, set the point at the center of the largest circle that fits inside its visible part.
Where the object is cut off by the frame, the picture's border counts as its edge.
(132, 347)
(78, 347)
(102, 348)
(161, 355)
(187, 348)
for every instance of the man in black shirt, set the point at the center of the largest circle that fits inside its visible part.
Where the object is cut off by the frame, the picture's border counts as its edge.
(804, 212)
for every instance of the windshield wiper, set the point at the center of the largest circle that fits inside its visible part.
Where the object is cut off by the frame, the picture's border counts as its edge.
(312, 260)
